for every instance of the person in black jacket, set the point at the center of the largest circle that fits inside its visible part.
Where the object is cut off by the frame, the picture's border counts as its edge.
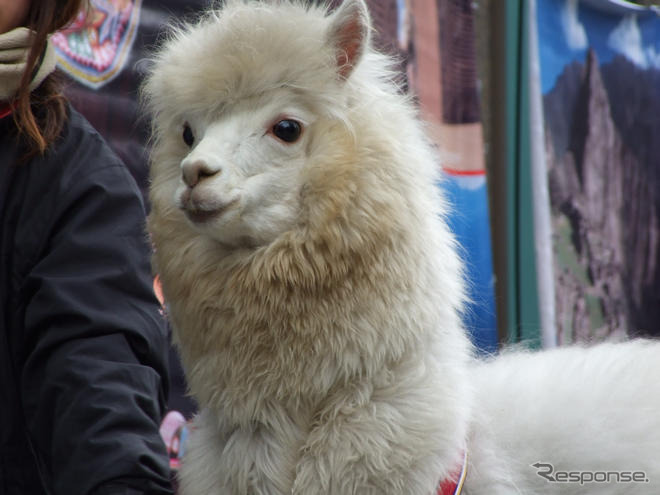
(83, 345)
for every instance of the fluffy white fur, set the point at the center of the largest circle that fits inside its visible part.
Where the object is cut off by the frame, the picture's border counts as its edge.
(315, 290)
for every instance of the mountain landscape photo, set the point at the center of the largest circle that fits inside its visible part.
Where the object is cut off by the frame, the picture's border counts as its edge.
(603, 149)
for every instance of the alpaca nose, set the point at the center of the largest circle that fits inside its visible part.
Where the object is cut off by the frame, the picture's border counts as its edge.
(195, 171)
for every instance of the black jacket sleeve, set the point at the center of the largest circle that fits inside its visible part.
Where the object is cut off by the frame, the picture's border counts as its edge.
(94, 374)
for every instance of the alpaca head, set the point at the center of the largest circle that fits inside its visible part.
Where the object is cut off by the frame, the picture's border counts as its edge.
(243, 102)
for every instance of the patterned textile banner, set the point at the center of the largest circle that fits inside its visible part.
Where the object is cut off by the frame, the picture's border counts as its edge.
(600, 83)
(94, 49)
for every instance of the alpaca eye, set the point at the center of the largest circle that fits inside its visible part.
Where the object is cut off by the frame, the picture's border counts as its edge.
(287, 130)
(188, 136)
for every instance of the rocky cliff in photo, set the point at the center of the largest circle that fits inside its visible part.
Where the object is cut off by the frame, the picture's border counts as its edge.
(603, 147)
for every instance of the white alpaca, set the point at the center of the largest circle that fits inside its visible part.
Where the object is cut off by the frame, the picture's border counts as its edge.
(315, 290)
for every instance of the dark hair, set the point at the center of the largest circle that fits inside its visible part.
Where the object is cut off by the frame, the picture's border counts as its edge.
(40, 115)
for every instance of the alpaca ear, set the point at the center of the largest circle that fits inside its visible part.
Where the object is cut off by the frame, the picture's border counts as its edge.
(349, 34)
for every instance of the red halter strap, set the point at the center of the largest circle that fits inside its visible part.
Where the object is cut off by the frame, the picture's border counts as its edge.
(453, 485)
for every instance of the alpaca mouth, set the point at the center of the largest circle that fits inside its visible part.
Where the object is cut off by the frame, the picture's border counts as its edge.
(202, 215)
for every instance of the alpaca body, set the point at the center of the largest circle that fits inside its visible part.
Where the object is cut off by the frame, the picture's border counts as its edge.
(314, 289)
(581, 410)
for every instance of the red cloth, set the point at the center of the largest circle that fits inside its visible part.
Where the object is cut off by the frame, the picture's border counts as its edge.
(453, 485)
(5, 109)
